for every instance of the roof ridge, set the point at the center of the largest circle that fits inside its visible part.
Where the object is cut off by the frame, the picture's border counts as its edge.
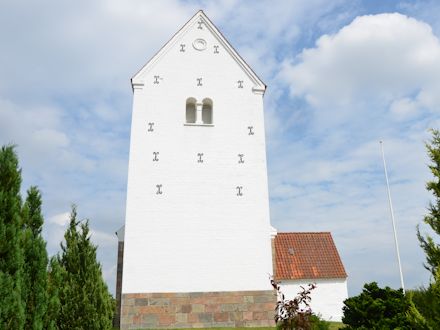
(304, 232)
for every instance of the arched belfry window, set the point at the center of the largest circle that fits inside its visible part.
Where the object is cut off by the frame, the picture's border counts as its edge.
(207, 111)
(191, 110)
(199, 113)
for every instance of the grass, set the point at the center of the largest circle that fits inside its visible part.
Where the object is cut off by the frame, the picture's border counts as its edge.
(260, 328)
(333, 326)
(336, 325)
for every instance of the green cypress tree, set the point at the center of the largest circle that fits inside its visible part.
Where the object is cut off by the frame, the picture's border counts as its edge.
(84, 297)
(35, 261)
(427, 302)
(428, 244)
(11, 254)
(54, 285)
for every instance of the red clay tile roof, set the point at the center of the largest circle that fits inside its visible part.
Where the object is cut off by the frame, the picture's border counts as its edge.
(307, 256)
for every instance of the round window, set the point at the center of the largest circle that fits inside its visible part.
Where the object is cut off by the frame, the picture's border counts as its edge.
(199, 44)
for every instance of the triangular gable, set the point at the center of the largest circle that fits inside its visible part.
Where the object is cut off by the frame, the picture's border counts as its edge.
(200, 16)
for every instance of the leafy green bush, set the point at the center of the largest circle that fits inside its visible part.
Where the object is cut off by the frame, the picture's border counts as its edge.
(377, 308)
(315, 323)
(318, 323)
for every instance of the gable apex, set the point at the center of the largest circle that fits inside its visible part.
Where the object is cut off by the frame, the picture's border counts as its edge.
(200, 16)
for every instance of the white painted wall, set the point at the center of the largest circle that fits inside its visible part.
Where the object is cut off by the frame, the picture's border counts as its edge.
(327, 297)
(198, 235)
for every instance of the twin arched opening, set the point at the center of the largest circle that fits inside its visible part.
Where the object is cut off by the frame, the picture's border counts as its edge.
(199, 113)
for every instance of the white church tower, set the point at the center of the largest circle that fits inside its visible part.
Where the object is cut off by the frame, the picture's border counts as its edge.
(197, 245)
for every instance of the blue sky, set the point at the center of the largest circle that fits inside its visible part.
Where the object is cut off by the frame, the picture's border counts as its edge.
(341, 76)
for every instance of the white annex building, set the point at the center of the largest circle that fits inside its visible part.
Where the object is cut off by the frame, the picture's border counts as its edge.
(197, 246)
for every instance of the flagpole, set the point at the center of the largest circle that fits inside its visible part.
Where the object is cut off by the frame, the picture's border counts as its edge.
(392, 216)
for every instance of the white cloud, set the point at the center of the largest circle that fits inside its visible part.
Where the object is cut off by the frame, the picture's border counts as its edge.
(61, 219)
(82, 47)
(103, 239)
(426, 10)
(54, 229)
(404, 108)
(382, 57)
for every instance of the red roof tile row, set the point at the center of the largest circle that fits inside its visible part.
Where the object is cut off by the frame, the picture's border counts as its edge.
(307, 256)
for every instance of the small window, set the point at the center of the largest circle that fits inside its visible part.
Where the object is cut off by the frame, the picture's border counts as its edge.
(191, 110)
(207, 111)
(199, 113)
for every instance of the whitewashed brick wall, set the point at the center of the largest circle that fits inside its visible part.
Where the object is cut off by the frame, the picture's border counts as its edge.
(198, 235)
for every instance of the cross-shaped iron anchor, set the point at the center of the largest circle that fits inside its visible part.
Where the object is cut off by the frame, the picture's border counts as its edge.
(159, 191)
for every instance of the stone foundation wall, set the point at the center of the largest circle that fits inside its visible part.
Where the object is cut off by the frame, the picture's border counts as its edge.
(198, 309)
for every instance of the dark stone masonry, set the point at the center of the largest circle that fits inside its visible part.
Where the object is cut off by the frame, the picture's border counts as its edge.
(198, 309)
(117, 317)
